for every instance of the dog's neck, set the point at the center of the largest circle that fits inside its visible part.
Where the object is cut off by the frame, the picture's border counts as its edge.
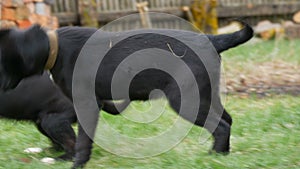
(53, 49)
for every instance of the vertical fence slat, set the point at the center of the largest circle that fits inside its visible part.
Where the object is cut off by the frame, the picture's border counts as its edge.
(75, 6)
(67, 6)
(55, 7)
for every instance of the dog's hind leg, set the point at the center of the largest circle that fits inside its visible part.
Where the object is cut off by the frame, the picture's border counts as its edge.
(83, 148)
(227, 117)
(87, 125)
(57, 127)
(55, 145)
(218, 124)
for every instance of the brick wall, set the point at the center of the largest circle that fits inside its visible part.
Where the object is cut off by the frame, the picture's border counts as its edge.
(24, 13)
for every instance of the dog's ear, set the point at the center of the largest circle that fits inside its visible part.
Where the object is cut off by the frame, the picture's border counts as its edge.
(23, 53)
(34, 49)
(33, 32)
(4, 32)
(34, 27)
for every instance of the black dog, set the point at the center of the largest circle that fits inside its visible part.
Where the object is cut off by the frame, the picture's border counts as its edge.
(39, 100)
(26, 53)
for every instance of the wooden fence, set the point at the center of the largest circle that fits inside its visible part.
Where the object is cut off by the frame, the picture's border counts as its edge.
(108, 10)
(255, 2)
(257, 10)
(235, 8)
(66, 11)
(108, 6)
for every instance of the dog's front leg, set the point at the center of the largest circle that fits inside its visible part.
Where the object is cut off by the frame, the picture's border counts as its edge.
(84, 145)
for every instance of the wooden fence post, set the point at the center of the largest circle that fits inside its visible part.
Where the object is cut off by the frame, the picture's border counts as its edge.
(88, 13)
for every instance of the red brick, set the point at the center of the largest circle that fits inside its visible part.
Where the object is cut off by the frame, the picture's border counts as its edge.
(31, 7)
(27, 1)
(12, 3)
(39, 19)
(22, 13)
(8, 14)
(23, 24)
(7, 24)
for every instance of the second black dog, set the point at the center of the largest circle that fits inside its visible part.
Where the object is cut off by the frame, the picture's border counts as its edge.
(39, 100)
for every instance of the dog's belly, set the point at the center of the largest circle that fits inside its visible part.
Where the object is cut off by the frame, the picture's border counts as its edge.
(138, 88)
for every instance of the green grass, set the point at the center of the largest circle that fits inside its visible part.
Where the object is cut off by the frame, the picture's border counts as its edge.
(257, 51)
(265, 131)
(246, 57)
(265, 134)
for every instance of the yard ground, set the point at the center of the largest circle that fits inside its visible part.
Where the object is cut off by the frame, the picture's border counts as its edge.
(262, 95)
(263, 67)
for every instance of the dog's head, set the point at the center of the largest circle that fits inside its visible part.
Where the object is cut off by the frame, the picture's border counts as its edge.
(22, 53)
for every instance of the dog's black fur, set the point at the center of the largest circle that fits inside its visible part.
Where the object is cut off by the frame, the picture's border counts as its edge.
(25, 53)
(39, 100)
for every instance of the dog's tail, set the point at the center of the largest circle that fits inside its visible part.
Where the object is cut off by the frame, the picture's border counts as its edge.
(227, 41)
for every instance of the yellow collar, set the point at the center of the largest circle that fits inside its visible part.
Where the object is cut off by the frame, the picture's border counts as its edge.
(53, 43)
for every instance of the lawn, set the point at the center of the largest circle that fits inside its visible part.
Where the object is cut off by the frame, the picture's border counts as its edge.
(258, 51)
(265, 131)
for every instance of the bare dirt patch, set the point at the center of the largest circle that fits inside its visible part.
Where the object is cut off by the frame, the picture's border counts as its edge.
(276, 77)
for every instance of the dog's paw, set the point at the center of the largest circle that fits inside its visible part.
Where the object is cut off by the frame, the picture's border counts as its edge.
(65, 157)
(33, 150)
(75, 166)
(214, 152)
(48, 160)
